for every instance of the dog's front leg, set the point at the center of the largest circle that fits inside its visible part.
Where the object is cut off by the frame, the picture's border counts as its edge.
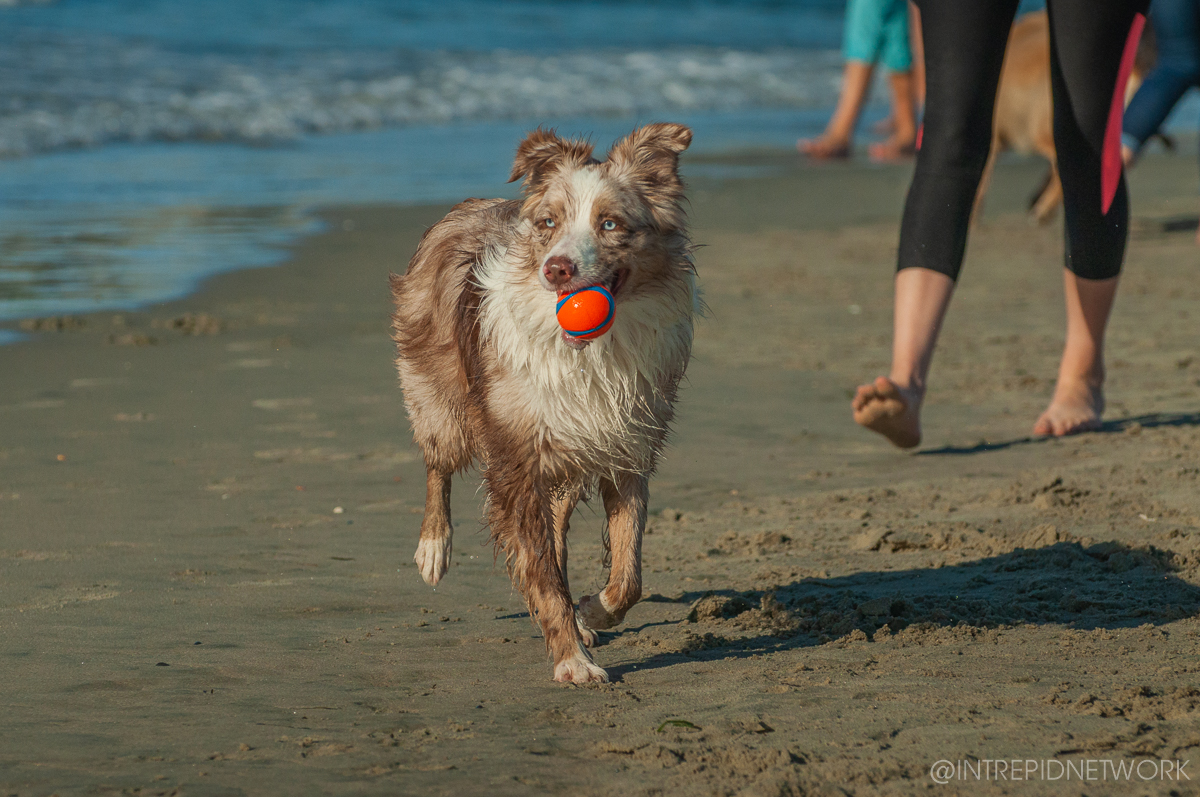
(625, 505)
(433, 550)
(525, 523)
(564, 504)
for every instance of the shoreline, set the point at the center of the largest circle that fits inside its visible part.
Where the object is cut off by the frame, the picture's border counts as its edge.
(708, 169)
(187, 608)
(133, 224)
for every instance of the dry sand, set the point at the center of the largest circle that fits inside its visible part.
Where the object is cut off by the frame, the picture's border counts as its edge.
(207, 539)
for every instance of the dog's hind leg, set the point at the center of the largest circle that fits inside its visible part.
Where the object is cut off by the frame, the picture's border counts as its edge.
(564, 505)
(433, 550)
(625, 505)
(1048, 199)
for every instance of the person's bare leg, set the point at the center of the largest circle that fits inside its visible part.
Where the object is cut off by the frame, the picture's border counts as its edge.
(835, 141)
(891, 405)
(1079, 394)
(902, 142)
(885, 126)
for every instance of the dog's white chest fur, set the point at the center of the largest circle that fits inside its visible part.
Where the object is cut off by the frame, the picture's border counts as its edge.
(605, 406)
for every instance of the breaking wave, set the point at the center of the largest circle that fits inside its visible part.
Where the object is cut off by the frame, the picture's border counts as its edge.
(61, 92)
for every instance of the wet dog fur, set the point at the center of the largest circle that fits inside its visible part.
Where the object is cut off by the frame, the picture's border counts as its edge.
(488, 376)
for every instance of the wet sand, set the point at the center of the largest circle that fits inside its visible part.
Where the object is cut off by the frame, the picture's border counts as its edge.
(208, 511)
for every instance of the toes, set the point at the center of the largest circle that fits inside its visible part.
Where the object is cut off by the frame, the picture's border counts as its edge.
(1043, 427)
(579, 669)
(590, 638)
(862, 397)
(886, 388)
(882, 389)
(1050, 425)
(821, 148)
(1056, 422)
(433, 559)
(1057, 427)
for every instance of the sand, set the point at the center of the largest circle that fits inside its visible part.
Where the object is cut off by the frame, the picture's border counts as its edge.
(208, 511)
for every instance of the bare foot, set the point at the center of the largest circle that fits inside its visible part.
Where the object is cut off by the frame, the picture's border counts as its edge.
(1076, 407)
(892, 150)
(893, 411)
(824, 148)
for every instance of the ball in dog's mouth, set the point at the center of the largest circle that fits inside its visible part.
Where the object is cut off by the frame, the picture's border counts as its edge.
(612, 284)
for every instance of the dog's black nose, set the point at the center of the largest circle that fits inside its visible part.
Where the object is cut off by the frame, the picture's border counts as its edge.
(558, 270)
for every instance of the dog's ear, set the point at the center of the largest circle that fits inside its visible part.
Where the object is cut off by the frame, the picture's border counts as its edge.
(542, 153)
(649, 157)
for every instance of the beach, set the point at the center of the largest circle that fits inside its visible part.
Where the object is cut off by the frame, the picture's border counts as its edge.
(210, 507)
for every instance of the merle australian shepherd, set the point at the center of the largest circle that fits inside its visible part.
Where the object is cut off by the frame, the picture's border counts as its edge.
(489, 376)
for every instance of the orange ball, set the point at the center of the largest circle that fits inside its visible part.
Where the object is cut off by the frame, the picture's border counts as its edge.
(587, 313)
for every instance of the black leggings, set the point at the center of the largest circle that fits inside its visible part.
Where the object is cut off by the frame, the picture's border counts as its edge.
(964, 50)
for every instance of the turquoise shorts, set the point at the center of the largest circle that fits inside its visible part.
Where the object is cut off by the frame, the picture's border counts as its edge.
(877, 30)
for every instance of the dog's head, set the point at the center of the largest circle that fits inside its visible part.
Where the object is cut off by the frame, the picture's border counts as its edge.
(615, 223)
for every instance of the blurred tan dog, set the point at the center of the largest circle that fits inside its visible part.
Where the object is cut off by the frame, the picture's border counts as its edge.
(1024, 114)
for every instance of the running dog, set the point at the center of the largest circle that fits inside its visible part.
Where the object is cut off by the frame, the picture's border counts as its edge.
(489, 376)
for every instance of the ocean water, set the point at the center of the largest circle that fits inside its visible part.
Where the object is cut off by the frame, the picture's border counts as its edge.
(148, 144)
(264, 71)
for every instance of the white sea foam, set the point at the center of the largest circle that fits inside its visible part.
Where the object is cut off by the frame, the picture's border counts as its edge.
(100, 92)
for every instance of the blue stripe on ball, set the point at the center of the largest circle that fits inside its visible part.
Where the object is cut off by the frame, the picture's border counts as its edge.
(612, 309)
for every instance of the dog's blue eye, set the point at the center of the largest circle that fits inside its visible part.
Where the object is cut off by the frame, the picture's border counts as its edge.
(609, 225)
(549, 223)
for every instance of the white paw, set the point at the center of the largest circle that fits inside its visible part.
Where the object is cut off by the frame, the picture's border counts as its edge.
(594, 615)
(590, 638)
(579, 669)
(433, 559)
